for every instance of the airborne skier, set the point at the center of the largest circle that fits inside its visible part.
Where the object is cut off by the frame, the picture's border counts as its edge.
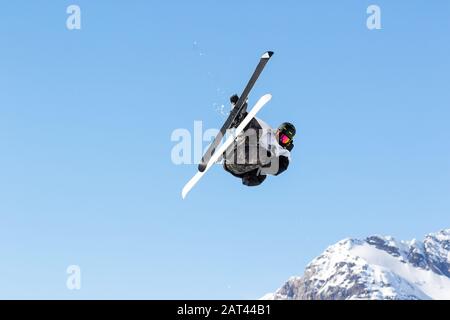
(259, 150)
(255, 150)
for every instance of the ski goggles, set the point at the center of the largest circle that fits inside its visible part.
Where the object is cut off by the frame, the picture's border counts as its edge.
(284, 139)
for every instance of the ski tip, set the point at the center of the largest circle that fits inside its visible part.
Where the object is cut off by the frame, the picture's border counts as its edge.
(267, 55)
(184, 193)
(267, 97)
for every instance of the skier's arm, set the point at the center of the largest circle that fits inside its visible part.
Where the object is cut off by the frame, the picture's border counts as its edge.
(274, 168)
(283, 164)
(290, 147)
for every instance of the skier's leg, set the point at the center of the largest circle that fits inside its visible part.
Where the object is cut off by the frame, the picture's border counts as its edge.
(227, 169)
(253, 178)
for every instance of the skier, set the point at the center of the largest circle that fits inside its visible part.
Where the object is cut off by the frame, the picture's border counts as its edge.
(259, 150)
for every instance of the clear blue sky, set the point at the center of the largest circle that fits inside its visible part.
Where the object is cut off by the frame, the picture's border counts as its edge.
(86, 117)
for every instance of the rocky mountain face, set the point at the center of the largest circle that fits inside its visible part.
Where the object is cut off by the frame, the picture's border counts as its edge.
(378, 267)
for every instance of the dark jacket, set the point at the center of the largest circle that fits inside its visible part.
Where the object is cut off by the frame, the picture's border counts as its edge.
(258, 173)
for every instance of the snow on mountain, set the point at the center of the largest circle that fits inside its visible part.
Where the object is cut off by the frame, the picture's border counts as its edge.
(377, 267)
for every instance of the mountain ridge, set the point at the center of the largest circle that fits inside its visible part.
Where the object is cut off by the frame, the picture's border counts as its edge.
(377, 267)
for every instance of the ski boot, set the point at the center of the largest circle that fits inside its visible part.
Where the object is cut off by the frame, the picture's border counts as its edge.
(234, 99)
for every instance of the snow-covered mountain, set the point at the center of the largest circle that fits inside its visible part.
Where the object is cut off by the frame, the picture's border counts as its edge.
(376, 268)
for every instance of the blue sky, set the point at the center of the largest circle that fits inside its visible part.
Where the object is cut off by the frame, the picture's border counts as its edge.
(86, 117)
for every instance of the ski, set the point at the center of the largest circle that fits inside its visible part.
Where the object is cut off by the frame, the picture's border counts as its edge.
(236, 110)
(228, 142)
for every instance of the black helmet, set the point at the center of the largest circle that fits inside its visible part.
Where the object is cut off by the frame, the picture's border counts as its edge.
(286, 133)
